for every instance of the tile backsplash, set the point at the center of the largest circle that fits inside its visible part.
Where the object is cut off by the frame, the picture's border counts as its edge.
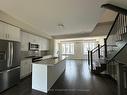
(34, 53)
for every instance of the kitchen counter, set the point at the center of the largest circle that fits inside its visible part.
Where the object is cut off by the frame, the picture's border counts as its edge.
(46, 72)
(27, 57)
(50, 61)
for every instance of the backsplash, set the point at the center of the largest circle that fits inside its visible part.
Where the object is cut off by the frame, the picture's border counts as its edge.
(43, 53)
(34, 53)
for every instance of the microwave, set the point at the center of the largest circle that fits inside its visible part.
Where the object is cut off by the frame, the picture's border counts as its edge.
(33, 47)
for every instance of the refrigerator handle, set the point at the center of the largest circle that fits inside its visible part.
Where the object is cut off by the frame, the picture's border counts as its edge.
(8, 55)
(11, 53)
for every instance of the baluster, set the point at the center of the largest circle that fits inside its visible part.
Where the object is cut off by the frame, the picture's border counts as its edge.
(91, 55)
(88, 57)
(115, 31)
(125, 24)
(117, 28)
(105, 48)
(98, 51)
(122, 25)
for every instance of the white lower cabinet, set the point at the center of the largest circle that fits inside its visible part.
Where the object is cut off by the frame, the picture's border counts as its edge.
(25, 68)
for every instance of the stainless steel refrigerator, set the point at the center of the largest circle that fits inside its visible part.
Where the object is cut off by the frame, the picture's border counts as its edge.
(9, 64)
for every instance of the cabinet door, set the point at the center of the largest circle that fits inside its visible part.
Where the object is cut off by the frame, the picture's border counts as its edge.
(2, 30)
(24, 41)
(32, 38)
(28, 66)
(45, 44)
(25, 68)
(13, 33)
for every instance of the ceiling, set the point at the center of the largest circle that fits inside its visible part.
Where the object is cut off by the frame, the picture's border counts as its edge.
(107, 16)
(76, 16)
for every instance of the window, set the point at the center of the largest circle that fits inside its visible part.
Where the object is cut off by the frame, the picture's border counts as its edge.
(88, 45)
(68, 48)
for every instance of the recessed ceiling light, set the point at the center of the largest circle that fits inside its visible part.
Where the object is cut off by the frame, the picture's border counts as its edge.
(60, 25)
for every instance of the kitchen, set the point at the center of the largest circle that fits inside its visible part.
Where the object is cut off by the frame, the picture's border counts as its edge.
(18, 51)
(62, 47)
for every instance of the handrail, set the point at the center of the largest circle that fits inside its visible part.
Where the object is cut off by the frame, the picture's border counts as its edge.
(94, 48)
(94, 51)
(112, 26)
(98, 48)
(115, 8)
(102, 46)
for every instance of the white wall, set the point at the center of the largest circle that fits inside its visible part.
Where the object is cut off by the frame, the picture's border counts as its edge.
(78, 46)
(27, 37)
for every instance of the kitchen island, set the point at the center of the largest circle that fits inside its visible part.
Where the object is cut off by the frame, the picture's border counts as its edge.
(46, 72)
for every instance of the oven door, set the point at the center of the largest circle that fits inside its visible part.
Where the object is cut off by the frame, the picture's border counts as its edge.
(33, 47)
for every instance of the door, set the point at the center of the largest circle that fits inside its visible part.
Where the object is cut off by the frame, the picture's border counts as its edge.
(15, 54)
(9, 78)
(13, 33)
(4, 55)
(25, 68)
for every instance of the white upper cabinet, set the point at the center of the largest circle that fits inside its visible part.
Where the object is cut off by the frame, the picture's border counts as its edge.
(24, 41)
(26, 38)
(13, 33)
(9, 32)
(2, 30)
(44, 44)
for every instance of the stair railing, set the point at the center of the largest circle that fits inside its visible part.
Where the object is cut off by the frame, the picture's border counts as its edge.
(116, 38)
(90, 60)
(94, 55)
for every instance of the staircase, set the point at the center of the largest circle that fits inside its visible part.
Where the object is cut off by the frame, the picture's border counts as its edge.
(117, 37)
(103, 58)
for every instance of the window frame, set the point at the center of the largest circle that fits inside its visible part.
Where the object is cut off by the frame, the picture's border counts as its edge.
(89, 46)
(68, 48)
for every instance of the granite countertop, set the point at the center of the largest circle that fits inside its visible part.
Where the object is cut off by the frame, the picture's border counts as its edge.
(30, 57)
(50, 61)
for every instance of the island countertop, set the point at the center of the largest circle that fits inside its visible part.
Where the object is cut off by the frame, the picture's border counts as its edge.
(50, 61)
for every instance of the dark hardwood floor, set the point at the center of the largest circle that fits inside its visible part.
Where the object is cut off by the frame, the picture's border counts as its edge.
(76, 80)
